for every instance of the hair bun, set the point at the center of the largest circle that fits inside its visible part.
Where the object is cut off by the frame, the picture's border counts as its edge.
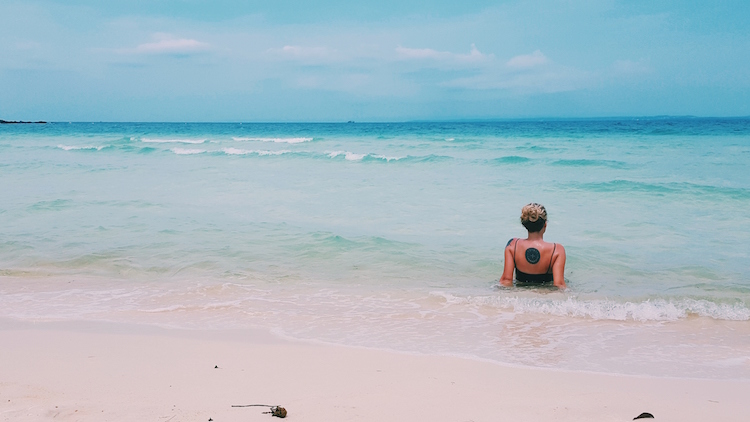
(533, 212)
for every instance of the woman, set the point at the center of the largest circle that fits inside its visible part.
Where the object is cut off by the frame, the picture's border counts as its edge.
(534, 260)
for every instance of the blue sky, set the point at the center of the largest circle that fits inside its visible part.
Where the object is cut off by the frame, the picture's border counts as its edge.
(189, 60)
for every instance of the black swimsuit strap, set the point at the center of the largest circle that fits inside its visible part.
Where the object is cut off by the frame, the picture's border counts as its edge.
(551, 256)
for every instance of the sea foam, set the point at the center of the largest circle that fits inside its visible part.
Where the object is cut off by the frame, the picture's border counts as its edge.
(186, 151)
(386, 158)
(73, 147)
(173, 141)
(277, 140)
(347, 155)
(606, 309)
(237, 151)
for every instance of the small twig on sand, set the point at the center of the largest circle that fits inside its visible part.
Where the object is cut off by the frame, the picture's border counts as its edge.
(277, 411)
(252, 405)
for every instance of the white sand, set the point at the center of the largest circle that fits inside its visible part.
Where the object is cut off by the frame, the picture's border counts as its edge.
(107, 372)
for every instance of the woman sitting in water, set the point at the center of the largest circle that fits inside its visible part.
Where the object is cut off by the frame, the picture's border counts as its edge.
(535, 261)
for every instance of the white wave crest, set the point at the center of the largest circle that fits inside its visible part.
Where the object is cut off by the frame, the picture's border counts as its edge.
(383, 157)
(173, 141)
(277, 140)
(237, 151)
(283, 151)
(347, 155)
(358, 157)
(186, 151)
(72, 148)
(605, 309)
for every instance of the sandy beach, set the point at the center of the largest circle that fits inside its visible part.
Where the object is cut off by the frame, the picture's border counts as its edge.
(113, 372)
(372, 211)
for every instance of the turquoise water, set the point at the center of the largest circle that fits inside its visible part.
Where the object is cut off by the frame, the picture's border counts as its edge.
(391, 235)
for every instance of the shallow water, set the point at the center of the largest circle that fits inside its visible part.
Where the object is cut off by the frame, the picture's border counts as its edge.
(391, 235)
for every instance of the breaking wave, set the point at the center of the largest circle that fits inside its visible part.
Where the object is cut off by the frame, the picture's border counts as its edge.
(606, 309)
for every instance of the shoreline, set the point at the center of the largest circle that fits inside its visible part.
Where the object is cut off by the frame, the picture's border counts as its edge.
(480, 327)
(108, 371)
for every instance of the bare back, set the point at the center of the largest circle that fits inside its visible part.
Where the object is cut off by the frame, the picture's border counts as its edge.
(534, 260)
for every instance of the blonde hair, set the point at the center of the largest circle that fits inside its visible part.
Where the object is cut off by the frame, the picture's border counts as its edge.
(533, 217)
(533, 212)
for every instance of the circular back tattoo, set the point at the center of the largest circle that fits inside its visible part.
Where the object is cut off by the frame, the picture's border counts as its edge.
(532, 255)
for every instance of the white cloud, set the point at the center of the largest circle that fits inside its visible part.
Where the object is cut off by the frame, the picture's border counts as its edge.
(301, 52)
(528, 81)
(528, 61)
(419, 53)
(524, 74)
(166, 44)
(430, 54)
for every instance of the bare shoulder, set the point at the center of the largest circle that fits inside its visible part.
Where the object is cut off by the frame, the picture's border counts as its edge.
(559, 249)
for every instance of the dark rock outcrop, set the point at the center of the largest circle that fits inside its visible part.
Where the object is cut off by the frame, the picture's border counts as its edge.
(9, 122)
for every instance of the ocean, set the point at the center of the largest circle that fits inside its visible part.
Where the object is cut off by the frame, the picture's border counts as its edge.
(391, 235)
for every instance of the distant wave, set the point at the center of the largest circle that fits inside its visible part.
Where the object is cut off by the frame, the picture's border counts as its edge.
(664, 131)
(89, 147)
(534, 148)
(606, 309)
(277, 140)
(510, 159)
(54, 205)
(173, 141)
(665, 188)
(185, 151)
(626, 185)
(383, 157)
(370, 157)
(347, 155)
(590, 163)
(237, 151)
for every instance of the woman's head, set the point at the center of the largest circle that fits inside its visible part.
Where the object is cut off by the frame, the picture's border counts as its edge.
(533, 217)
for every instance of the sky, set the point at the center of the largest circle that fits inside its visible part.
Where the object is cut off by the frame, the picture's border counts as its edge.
(336, 60)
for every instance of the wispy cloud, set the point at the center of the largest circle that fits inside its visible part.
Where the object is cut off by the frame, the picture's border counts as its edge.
(525, 74)
(528, 61)
(474, 54)
(167, 44)
(536, 83)
(303, 52)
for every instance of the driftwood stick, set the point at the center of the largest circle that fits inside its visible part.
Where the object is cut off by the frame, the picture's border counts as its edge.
(252, 405)
(277, 411)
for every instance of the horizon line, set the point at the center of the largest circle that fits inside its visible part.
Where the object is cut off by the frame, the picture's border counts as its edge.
(464, 120)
